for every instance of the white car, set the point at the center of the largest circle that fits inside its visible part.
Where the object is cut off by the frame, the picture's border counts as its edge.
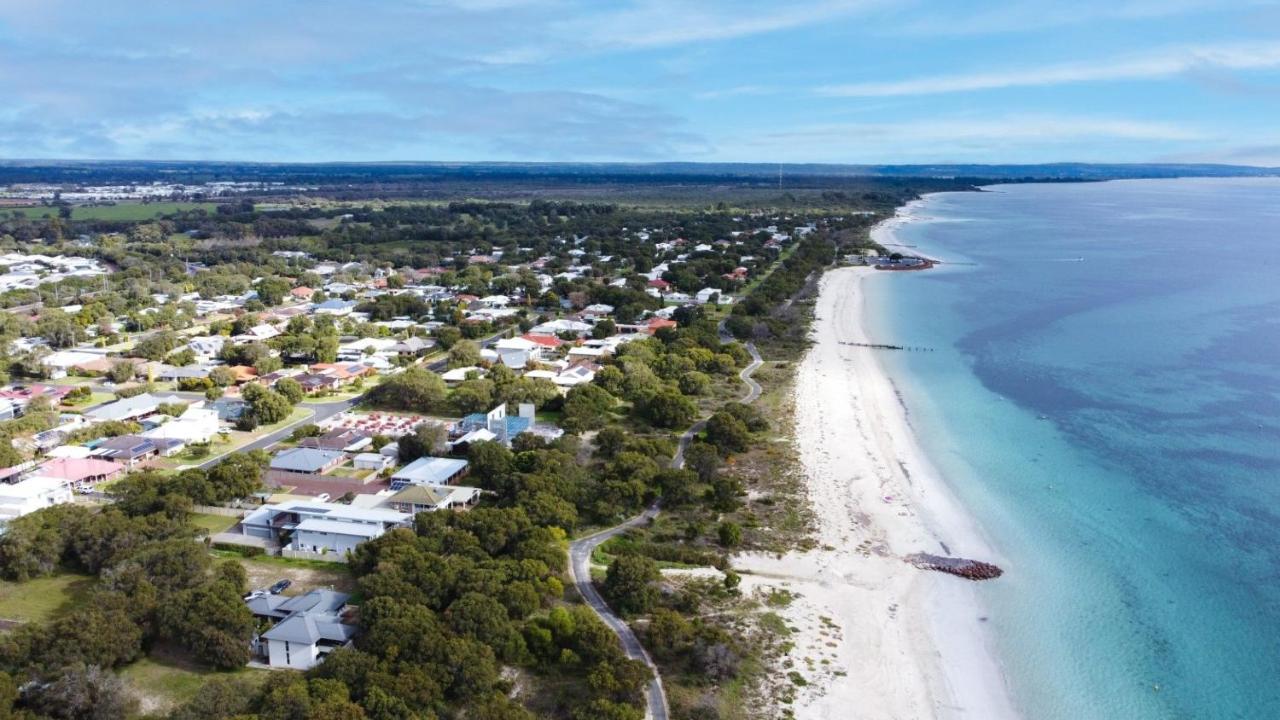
(323, 497)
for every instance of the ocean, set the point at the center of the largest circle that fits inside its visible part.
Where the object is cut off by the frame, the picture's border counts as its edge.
(1103, 396)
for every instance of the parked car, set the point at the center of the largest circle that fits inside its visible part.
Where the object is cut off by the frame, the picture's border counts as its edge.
(323, 497)
(256, 594)
(280, 586)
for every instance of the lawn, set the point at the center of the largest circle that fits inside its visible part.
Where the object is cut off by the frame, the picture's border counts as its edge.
(166, 680)
(43, 598)
(121, 211)
(213, 524)
(306, 575)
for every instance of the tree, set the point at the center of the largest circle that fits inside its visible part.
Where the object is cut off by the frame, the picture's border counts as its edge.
(121, 371)
(156, 345)
(472, 396)
(291, 389)
(222, 376)
(703, 459)
(604, 329)
(84, 692)
(218, 697)
(271, 291)
(416, 389)
(728, 433)
(464, 353)
(587, 407)
(58, 329)
(667, 409)
(695, 383)
(427, 438)
(730, 534)
(629, 582)
(266, 405)
(447, 336)
(212, 620)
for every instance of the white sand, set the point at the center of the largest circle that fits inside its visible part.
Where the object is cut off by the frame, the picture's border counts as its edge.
(897, 642)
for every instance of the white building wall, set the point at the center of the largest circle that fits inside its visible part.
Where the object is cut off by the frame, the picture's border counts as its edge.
(292, 655)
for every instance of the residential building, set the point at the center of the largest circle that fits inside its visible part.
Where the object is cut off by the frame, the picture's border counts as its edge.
(79, 472)
(134, 407)
(307, 627)
(320, 527)
(414, 499)
(306, 461)
(429, 471)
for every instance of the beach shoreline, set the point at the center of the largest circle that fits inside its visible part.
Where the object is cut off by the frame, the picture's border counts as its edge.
(879, 638)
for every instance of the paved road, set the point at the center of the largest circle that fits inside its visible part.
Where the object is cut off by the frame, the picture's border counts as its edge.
(580, 552)
(322, 411)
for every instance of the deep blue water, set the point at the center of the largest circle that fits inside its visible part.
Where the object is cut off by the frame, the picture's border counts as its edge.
(1113, 423)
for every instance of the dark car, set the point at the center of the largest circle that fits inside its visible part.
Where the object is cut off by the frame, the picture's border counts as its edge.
(280, 587)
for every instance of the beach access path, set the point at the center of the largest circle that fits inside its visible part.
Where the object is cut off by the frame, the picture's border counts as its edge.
(580, 552)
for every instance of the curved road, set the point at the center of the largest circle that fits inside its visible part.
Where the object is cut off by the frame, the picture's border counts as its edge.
(580, 552)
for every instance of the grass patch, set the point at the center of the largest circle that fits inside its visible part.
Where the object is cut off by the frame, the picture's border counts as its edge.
(166, 680)
(43, 598)
(125, 211)
(213, 524)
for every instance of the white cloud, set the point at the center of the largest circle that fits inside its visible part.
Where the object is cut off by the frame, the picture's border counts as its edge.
(660, 23)
(1163, 64)
(1040, 138)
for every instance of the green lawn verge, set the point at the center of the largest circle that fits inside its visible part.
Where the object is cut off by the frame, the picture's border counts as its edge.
(43, 598)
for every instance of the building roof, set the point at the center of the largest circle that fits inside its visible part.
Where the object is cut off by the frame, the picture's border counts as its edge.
(337, 527)
(127, 408)
(430, 471)
(305, 460)
(77, 469)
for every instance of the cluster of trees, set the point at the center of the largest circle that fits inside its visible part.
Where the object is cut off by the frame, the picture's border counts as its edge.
(154, 584)
(760, 314)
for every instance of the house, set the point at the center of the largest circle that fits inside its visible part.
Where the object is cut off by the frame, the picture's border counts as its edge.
(314, 383)
(133, 407)
(207, 346)
(341, 439)
(457, 375)
(414, 499)
(321, 527)
(128, 450)
(556, 327)
(545, 342)
(307, 627)
(79, 472)
(169, 373)
(302, 293)
(30, 495)
(196, 425)
(496, 424)
(257, 333)
(429, 471)
(335, 307)
(306, 461)
(413, 347)
(375, 461)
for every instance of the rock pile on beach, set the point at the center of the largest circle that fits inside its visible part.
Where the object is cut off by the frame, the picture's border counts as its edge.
(960, 567)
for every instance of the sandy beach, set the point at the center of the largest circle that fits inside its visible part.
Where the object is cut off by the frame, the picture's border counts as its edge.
(875, 637)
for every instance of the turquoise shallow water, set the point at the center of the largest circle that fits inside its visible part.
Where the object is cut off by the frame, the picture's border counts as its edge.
(1105, 399)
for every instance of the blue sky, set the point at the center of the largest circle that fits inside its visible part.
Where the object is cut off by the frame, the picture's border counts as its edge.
(842, 81)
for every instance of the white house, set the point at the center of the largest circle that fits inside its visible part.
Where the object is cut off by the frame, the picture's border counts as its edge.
(319, 526)
(307, 627)
(30, 495)
(196, 425)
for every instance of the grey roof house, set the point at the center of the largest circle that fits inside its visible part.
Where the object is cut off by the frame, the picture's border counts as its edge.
(307, 628)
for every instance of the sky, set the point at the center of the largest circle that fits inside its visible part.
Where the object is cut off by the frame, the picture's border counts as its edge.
(831, 81)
